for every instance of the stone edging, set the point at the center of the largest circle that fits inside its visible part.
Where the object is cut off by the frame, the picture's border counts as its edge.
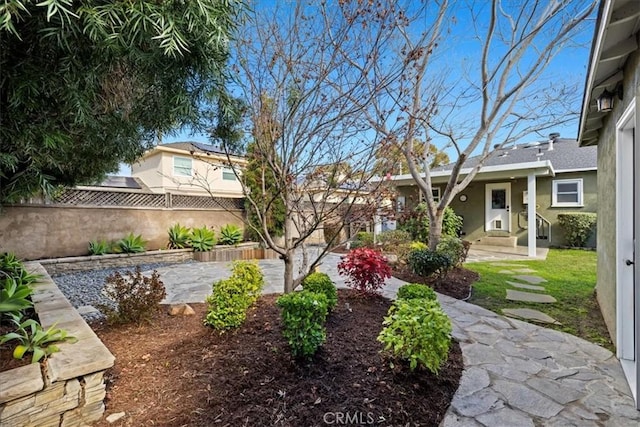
(69, 389)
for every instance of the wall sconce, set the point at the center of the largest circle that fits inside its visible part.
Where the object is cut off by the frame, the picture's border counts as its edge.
(606, 99)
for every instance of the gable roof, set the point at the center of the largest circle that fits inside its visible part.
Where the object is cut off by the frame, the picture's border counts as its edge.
(562, 153)
(194, 146)
(614, 40)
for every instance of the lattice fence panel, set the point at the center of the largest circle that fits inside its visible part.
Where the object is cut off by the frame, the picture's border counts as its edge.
(109, 198)
(206, 202)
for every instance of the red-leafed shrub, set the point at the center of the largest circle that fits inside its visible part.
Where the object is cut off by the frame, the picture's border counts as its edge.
(366, 269)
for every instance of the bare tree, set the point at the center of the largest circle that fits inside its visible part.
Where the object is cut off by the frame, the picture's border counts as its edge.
(484, 101)
(309, 137)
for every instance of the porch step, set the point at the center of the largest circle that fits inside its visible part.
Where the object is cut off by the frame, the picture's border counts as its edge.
(505, 241)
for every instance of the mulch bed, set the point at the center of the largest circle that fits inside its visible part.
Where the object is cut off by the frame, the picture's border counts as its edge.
(176, 372)
(456, 284)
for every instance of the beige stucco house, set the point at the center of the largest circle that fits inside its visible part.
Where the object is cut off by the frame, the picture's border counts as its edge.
(495, 205)
(614, 76)
(190, 168)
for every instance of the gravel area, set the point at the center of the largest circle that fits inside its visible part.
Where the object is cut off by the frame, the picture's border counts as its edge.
(84, 288)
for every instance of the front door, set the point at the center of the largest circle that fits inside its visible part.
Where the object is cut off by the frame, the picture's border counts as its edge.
(628, 247)
(498, 202)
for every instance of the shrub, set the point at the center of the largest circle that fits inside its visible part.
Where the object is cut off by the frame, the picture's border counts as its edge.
(232, 297)
(416, 223)
(303, 317)
(179, 237)
(418, 331)
(416, 291)
(366, 269)
(136, 297)
(364, 238)
(230, 234)
(577, 227)
(392, 239)
(130, 244)
(321, 283)
(332, 232)
(454, 248)
(99, 247)
(202, 239)
(426, 262)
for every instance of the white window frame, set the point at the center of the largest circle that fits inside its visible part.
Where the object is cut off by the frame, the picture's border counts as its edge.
(554, 189)
(228, 170)
(176, 171)
(436, 195)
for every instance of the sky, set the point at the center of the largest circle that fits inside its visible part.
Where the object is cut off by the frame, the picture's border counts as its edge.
(569, 66)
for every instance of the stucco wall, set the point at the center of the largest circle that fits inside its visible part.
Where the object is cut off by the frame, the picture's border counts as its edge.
(606, 285)
(35, 232)
(473, 209)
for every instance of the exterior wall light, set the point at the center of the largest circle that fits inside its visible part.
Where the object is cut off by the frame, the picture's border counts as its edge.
(606, 100)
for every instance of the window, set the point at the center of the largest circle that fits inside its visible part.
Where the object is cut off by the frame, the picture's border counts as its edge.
(436, 194)
(181, 166)
(227, 174)
(567, 192)
(400, 203)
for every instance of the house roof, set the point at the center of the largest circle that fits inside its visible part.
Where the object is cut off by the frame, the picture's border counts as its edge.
(614, 40)
(562, 154)
(119, 182)
(194, 146)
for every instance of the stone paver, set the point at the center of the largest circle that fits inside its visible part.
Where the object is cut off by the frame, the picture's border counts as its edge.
(529, 314)
(529, 297)
(516, 373)
(523, 286)
(534, 280)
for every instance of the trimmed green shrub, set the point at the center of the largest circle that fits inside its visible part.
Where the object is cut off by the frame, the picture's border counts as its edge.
(136, 297)
(416, 223)
(426, 262)
(230, 234)
(303, 317)
(321, 283)
(99, 247)
(418, 331)
(131, 244)
(416, 290)
(393, 238)
(202, 239)
(363, 239)
(577, 226)
(179, 237)
(453, 248)
(232, 297)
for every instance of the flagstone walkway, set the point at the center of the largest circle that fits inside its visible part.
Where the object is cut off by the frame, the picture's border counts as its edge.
(516, 374)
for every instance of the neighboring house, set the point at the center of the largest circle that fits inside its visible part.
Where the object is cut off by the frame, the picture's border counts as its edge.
(189, 168)
(495, 204)
(614, 76)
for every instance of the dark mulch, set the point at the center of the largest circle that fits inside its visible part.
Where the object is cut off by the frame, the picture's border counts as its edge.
(177, 372)
(456, 284)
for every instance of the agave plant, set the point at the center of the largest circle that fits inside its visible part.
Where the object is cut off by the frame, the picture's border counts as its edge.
(34, 339)
(179, 237)
(99, 247)
(14, 296)
(202, 239)
(131, 244)
(230, 234)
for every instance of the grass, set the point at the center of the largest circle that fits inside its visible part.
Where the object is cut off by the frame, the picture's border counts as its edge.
(571, 279)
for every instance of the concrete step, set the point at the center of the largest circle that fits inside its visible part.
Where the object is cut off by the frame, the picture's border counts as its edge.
(505, 241)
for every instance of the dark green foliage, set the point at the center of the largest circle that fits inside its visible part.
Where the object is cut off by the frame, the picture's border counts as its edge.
(261, 179)
(232, 297)
(417, 331)
(577, 227)
(303, 317)
(416, 290)
(202, 239)
(136, 297)
(131, 244)
(99, 247)
(416, 223)
(14, 297)
(393, 238)
(230, 234)
(87, 85)
(454, 248)
(321, 283)
(426, 262)
(179, 237)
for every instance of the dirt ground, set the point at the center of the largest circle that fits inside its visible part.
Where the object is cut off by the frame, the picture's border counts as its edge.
(177, 372)
(456, 284)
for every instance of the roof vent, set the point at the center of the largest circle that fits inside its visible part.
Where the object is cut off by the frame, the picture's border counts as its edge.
(552, 138)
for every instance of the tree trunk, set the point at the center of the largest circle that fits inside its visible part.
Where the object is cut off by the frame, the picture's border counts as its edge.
(289, 283)
(435, 229)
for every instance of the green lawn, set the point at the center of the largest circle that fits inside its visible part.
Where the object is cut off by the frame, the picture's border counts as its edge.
(571, 279)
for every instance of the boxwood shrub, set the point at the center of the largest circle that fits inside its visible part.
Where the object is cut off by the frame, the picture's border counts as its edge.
(303, 317)
(321, 283)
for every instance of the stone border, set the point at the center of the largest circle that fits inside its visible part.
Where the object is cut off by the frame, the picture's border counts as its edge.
(242, 251)
(68, 389)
